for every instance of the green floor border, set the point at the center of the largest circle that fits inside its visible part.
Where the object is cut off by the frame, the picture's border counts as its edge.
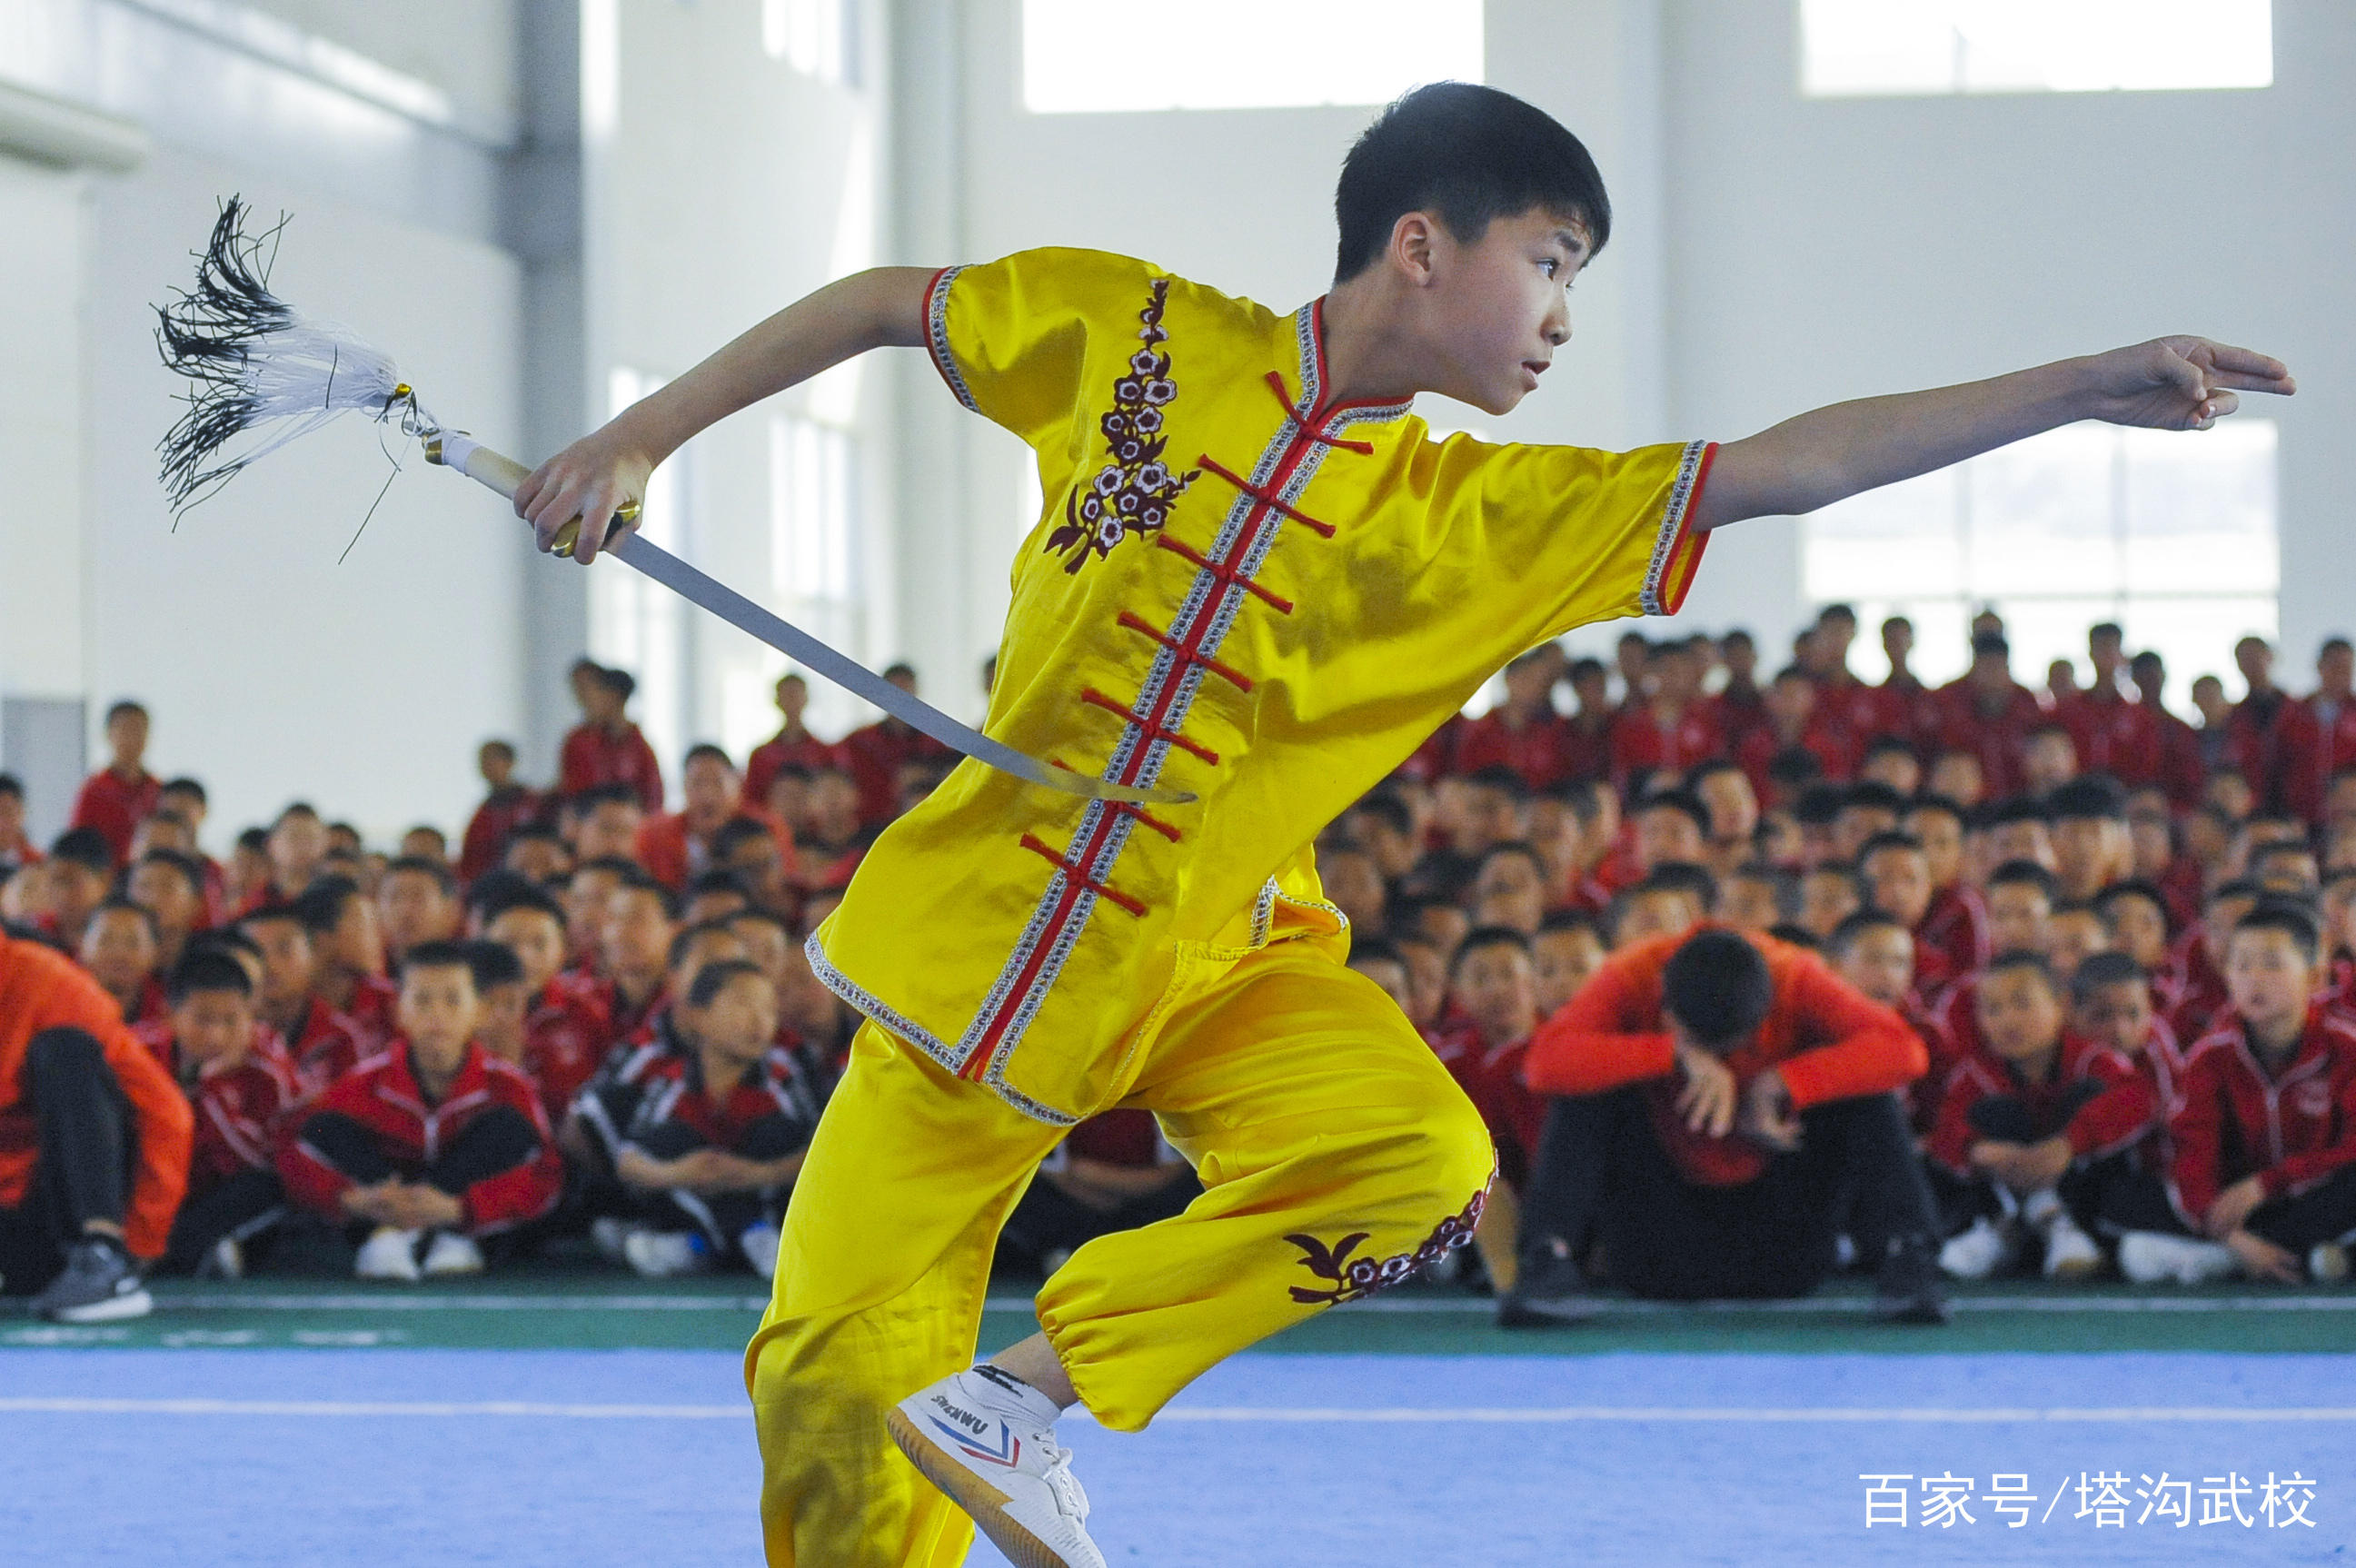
(563, 1309)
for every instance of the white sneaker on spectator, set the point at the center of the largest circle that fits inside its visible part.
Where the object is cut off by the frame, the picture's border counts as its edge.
(759, 1243)
(607, 1232)
(450, 1252)
(2069, 1252)
(2326, 1262)
(1978, 1252)
(389, 1253)
(662, 1255)
(226, 1261)
(988, 1440)
(2153, 1257)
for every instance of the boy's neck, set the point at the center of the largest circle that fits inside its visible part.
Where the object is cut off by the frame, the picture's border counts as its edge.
(337, 985)
(2038, 1066)
(638, 986)
(721, 1070)
(434, 1084)
(131, 771)
(1365, 359)
(2276, 1040)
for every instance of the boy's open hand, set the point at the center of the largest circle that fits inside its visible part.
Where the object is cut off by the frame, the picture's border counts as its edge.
(1768, 1119)
(2234, 1206)
(1707, 1099)
(591, 480)
(2263, 1259)
(2180, 383)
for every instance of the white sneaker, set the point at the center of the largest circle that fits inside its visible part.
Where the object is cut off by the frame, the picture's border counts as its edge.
(1978, 1252)
(2326, 1262)
(450, 1252)
(759, 1243)
(2153, 1257)
(607, 1232)
(2069, 1252)
(662, 1255)
(389, 1253)
(991, 1447)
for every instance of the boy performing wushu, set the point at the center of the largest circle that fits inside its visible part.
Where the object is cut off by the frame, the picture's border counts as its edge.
(1258, 580)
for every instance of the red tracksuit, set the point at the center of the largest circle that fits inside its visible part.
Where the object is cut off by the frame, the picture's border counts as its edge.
(875, 754)
(593, 757)
(324, 1049)
(2135, 1095)
(773, 756)
(1956, 924)
(1535, 750)
(501, 812)
(565, 1038)
(1490, 1077)
(383, 1094)
(115, 805)
(2232, 1121)
(2318, 738)
(1644, 741)
(1997, 741)
(2114, 736)
(240, 1110)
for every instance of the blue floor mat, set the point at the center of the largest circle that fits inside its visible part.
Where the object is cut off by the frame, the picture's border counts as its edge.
(520, 1459)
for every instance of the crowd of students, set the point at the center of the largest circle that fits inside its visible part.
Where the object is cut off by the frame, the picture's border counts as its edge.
(1747, 981)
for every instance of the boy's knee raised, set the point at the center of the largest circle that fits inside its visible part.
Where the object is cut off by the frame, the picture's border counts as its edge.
(63, 1054)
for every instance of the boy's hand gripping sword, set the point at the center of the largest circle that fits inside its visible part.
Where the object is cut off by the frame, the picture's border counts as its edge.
(254, 361)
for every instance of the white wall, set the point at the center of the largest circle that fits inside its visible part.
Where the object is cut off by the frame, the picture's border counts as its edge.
(273, 671)
(1822, 249)
(722, 184)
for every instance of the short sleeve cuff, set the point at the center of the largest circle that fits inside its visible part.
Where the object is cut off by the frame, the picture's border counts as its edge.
(1676, 554)
(937, 334)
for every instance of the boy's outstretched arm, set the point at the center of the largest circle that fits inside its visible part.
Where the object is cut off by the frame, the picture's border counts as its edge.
(880, 308)
(2169, 383)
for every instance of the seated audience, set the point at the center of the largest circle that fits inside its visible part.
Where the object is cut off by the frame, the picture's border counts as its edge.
(430, 1145)
(508, 808)
(606, 751)
(118, 948)
(1113, 1172)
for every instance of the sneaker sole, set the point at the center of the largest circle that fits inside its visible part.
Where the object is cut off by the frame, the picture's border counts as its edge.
(113, 1310)
(985, 1503)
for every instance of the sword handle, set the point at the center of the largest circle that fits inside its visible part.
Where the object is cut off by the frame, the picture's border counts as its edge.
(497, 471)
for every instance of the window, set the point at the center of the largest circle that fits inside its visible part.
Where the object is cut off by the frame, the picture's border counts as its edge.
(814, 560)
(817, 37)
(1866, 48)
(1095, 56)
(2172, 535)
(635, 622)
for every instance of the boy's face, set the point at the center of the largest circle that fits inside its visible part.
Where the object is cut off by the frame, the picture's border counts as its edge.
(803, 999)
(2268, 978)
(416, 910)
(1354, 884)
(440, 1012)
(1510, 890)
(767, 943)
(610, 831)
(741, 1022)
(712, 947)
(126, 737)
(1896, 769)
(2020, 1016)
(1498, 987)
(2118, 1016)
(1489, 314)
(1957, 776)
(1856, 824)
(12, 816)
(166, 895)
(536, 939)
(497, 763)
(118, 950)
(1662, 912)
(1746, 903)
(75, 889)
(1391, 976)
(1826, 898)
(1666, 836)
(2072, 937)
(1941, 838)
(1901, 880)
(505, 1008)
(1426, 978)
(2018, 913)
(1561, 962)
(792, 696)
(638, 934)
(1880, 963)
(287, 962)
(2020, 841)
(1733, 806)
(2217, 924)
(2138, 928)
(214, 1026)
(711, 788)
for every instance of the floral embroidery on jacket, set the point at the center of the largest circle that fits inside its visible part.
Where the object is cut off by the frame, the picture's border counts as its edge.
(1131, 494)
(1358, 1278)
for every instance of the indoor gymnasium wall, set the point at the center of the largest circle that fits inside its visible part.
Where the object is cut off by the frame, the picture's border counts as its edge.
(270, 669)
(1821, 249)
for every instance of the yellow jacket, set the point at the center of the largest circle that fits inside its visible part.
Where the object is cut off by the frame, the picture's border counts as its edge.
(1240, 589)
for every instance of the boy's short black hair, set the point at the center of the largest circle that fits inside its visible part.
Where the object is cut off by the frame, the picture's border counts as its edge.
(1375, 950)
(2027, 873)
(1818, 803)
(620, 682)
(703, 749)
(1388, 809)
(1680, 877)
(10, 785)
(493, 964)
(225, 939)
(84, 847)
(440, 955)
(193, 788)
(2094, 798)
(2015, 808)
(1468, 155)
(1794, 936)
(1794, 767)
(637, 882)
(187, 867)
(321, 907)
(1506, 851)
(1716, 984)
(754, 911)
(684, 941)
(1885, 745)
(206, 969)
(1486, 936)
(735, 831)
(1501, 779)
(425, 866)
(2097, 970)
(1880, 841)
(1872, 794)
(1845, 935)
(2235, 887)
(114, 902)
(2290, 917)
(714, 978)
(520, 894)
(1678, 800)
(706, 883)
(254, 840)
(1938, 803)
(2029, 959)
(1561, 920)
(123, 707)
(2133, 887)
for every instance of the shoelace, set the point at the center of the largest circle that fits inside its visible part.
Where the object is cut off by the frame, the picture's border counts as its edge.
(1069, 1499)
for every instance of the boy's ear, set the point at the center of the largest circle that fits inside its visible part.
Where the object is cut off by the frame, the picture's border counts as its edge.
(1414, 238)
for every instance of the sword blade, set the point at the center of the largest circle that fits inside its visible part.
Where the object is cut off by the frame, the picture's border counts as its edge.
(709, 593)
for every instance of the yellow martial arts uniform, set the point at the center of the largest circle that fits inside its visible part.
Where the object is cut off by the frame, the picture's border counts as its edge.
(1244, 589)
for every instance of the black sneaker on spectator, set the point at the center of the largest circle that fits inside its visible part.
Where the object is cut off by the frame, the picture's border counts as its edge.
(1907, 1287)
(98, 1286)
(1549, 1291)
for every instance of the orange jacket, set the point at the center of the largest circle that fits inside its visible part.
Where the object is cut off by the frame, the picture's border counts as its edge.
(1828, 1039)
(40, 990)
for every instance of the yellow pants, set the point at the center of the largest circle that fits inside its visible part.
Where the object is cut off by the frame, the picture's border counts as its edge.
(1334, 1153)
